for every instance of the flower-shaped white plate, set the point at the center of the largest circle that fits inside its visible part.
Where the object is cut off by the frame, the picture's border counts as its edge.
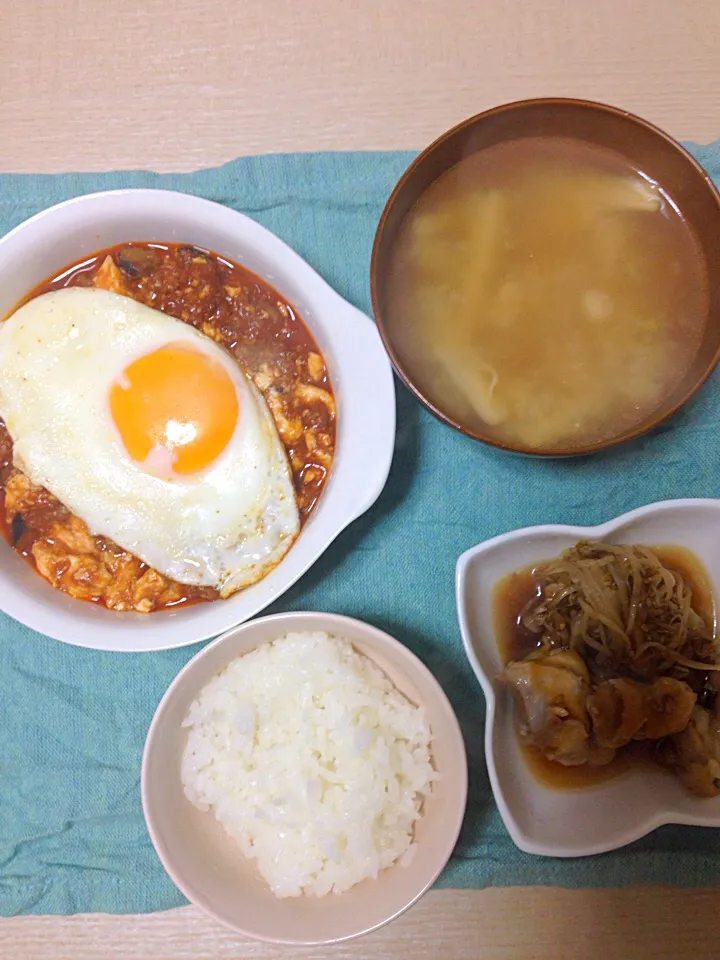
(601, 817)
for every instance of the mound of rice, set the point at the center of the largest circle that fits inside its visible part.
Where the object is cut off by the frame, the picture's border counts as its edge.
(312, 760)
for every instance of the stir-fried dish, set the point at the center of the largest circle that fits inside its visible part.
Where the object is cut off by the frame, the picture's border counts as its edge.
(249, 393)
(613, 644)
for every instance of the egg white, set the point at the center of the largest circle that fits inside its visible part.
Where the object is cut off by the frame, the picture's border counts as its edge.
(224, 527)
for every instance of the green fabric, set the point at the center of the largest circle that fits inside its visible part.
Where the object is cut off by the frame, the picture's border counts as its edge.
(73, 722)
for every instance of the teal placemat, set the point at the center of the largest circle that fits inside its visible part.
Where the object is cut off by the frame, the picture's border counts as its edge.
(73, 722)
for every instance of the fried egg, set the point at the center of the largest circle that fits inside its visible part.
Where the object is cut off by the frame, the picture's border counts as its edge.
(149, 432)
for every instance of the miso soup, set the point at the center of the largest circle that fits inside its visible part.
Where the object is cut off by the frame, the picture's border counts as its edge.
(546, 292)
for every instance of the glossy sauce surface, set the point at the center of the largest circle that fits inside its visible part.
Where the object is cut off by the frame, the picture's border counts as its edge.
(511, 596)
(246, 316)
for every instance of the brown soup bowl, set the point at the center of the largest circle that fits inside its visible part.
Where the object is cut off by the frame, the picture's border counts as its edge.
(647, 149)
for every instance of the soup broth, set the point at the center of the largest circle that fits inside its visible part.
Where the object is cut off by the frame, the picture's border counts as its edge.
(545, 292)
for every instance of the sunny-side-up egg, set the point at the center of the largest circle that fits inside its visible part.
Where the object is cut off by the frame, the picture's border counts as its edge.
(150, 433)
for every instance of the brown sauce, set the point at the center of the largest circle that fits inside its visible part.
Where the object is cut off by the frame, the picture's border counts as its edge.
(515, 642)
(559, 777)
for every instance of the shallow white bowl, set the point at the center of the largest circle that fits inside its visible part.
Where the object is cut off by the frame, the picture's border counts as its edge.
(576, 823)
(358, 365)
(210, 869)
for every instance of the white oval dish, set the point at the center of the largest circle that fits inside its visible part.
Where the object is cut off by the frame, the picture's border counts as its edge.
(211, 870)
(593, 819)
(359, 369)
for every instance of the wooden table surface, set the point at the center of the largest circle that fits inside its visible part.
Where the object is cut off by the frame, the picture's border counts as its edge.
(180, 84)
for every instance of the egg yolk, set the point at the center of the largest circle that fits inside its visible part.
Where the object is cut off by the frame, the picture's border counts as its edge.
(175, 406)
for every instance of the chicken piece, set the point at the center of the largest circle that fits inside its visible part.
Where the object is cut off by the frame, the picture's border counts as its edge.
(24, 498)
(152, 590)
(694, 754)
(109, 277)
(617, 711)
(669, 704)
(290, 430)
(75, 562)
(308, 393)
(312, 474)
(73, 534)
(19, 494)
(68, 559)
(316, 366)
(265, 377)
(134, 589)
(81, 576)
(323, 458)
(125, 572)
(210, 331)
(622, 710)
(551, 692)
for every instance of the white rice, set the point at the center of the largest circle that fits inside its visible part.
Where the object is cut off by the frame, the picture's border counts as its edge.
(312, 760)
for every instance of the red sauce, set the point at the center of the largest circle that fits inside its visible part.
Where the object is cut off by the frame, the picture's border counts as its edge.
(246, 316)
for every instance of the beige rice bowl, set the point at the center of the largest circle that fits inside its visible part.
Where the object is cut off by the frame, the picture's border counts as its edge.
(312, 761)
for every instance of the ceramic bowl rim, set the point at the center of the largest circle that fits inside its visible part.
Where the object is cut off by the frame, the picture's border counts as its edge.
(335, 623)
(402, 185)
